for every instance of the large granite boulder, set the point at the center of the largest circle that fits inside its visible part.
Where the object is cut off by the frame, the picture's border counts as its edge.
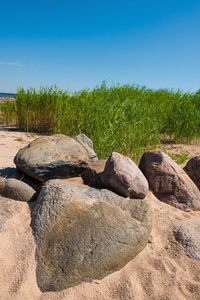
(188, 234)
(192, 168)
(17, 190)
(87, 144)
(122, 176)
(169, 182)
(83, 233)
(91, 175)
(57, 156)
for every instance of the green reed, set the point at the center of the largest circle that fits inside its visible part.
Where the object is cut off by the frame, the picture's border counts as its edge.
(128, 119)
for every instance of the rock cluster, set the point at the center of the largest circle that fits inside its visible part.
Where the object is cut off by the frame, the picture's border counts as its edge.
(85, 232)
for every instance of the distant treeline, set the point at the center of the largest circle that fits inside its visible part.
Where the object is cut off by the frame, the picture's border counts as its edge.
(128, 119)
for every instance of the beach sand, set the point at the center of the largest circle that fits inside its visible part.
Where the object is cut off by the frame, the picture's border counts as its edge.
(162, 271)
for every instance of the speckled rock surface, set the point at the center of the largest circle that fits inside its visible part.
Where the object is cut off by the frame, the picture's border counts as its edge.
(122, 176)
(188, 234)
(83, 233)
(169, 182)
(57, 156)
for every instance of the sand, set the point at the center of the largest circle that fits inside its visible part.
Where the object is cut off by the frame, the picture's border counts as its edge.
(161, 271)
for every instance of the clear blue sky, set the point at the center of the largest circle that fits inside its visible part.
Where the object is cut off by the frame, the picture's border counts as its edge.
(78, 44)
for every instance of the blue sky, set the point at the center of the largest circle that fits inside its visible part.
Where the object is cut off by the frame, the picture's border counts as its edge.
(78, 44)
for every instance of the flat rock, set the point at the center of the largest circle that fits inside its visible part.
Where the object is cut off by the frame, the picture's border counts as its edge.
(57, 156)
(122, 176)
(87, 144)
(91, 175)
(8, 208)
(83, 233)
(188, 234)
(192, 168)
(169, 182)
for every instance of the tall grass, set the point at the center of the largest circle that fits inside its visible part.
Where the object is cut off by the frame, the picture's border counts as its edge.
(128, 119)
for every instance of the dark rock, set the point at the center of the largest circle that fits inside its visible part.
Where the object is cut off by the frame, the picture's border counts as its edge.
(91, 175)
(188, 234)
(122, 176)
(192, 168)
(8, 208)
(17, 174)
(169, 182)
(58, 156)
(83, 233)
(87, 144)
(11, 173)
(17, 190)
(32, 182)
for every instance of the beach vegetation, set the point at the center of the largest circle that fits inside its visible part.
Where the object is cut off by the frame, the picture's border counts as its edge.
(128, 119)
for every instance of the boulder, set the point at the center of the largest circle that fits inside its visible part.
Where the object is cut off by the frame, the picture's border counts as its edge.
(91, 175)
(57, 156)
(83, 233)
(192, 168)
(188, 234)
(169, 182)
(122, 176)
(87, 144)
(17, 174)
(17, 190)
(8, 208)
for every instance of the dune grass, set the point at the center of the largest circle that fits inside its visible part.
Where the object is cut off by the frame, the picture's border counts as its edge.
(128, 119)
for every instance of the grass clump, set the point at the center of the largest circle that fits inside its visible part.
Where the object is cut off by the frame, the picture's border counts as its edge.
(128, 119)
(19, 139)
(179, 158)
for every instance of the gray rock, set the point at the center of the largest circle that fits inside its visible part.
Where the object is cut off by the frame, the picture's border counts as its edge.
(58, 156)
(169, 182)
(91, 175)
(17, 190)
(83, 233)
(87, 144)
(192, 168)
(122, 176)
(19, 175)
(8, 208)
(188, 234)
